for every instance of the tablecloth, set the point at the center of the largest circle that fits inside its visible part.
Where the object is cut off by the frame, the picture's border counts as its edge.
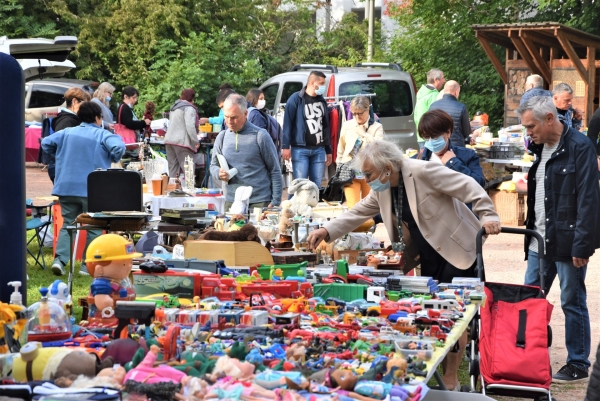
(32, 143)
(163, 202)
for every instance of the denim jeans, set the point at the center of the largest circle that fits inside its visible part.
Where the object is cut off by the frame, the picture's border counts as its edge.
(71, 207)
(573, 297)
(309, 163)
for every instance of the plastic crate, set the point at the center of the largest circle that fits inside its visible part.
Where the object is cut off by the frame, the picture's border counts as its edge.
(345, 292)
(506, 151)
(510, 206)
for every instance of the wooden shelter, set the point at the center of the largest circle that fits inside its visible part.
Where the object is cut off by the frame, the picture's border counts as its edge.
(556, 52)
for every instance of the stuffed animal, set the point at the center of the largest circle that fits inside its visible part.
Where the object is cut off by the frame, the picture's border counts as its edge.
(285, 221)
(306, 196)
(247, 233)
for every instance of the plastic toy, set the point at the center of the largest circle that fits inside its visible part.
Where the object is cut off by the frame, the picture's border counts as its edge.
(306, 196)
(48, 320)
(59, 293)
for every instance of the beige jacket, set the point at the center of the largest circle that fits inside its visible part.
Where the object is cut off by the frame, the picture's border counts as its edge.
(348, 135)
(437, 197)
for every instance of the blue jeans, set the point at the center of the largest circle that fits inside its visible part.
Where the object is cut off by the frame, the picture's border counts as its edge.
(573, 297)
(71, 207)
(309, 163)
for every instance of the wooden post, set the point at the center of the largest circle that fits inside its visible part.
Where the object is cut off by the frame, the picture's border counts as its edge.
(518, 43)
(537, 57)
(568, 48)
(500, 69)
(590, 89)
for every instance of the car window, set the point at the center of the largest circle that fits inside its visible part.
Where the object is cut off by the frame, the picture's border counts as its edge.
(289, 88)
(47, 96)
(270, 95)
(392, 97)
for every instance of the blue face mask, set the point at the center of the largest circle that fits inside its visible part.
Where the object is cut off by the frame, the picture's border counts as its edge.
(436, 145)
(378, 186)
(108, 98)
(321, 90)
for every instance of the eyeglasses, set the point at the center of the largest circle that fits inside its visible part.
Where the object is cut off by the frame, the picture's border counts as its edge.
(358, 113)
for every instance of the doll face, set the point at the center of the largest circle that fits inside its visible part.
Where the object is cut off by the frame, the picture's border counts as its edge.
(115, 269)
(245, 367)
(115, 375)
(346, 379)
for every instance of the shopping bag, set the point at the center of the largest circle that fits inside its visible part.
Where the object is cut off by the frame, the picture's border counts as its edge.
(128, 136)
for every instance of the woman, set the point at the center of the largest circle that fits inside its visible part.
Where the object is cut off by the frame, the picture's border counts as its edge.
(256, 98)
(102, 98)
(67, 118)
(181, 139)
(435, 128)
(438, 231)
(126, 115)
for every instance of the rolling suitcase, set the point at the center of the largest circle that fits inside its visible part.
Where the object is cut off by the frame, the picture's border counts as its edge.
(115, 190)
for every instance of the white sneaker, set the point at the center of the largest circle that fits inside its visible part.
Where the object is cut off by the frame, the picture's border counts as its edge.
(58, 268)
(84, 271)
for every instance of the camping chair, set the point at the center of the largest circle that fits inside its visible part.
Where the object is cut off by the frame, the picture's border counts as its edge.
(40, 226)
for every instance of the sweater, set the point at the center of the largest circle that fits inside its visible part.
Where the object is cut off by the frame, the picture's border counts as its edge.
(252, 152)
(425, 96)
(219, 119)
(79, 151)
(183, 130)
(107, 115)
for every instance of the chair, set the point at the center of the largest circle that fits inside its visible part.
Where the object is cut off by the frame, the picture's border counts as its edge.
(40, 226)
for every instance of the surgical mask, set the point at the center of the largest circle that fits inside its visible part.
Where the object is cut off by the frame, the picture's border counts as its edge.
(321, 90)
(261, 104)
(436, 145)
(378, 186)
(108, 98)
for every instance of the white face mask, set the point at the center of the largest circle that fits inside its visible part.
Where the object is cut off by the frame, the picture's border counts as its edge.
(261, 104)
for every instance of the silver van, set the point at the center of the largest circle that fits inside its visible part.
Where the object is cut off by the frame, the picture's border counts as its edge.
(392, 93)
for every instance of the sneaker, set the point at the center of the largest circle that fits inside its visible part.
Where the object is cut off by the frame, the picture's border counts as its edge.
(83, 270)
(570, 374)
(58, 268)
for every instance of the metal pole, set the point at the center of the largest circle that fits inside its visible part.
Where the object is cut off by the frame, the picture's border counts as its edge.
(328, 16)
(371, 30)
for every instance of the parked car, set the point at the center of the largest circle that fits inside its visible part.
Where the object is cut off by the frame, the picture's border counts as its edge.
(393, 89)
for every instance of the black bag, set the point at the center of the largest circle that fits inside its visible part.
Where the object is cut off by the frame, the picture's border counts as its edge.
(344, 174)
(334, 191)
(114, 190)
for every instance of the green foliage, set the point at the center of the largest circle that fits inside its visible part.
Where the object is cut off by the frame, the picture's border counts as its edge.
(20, 18)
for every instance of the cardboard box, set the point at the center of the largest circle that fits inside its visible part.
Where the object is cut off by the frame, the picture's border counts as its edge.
(184, 284)
(206, 316)
(510, 206)
(246, 253)
(337, 255)
(254, 318)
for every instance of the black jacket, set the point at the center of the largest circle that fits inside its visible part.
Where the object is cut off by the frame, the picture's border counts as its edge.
(594, 130)
(458, 112)
(63, 120)
(572, 198)
(125, 117)
(593, 390)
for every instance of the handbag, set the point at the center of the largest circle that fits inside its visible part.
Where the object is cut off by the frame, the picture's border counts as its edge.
(127, 135)
(344, 174)
(334, 191)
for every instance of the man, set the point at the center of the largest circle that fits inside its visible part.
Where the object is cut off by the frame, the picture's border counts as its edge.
(251, 151)
(562, 206)
(562, 94)
(534, 86)
(427, 95)
(79, 151)
(457, 110)
(306, 130)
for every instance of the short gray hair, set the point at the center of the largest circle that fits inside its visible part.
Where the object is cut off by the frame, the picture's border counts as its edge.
(380, 153)
(540, 106)
(434, 74)
(561, 88)
(360, 103)
(236, 100)
(536, 80)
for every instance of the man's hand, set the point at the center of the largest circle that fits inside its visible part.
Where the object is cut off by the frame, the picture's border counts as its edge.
(329, 160)
(203, 120)
(315, 237)
(223, 175)
(578, 115)
(492, 227)
(286, 154)
(447, 156)
(579, 262)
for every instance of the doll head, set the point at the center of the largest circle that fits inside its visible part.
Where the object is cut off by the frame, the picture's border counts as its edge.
(345, 379)
(110, 256)
(114, 375)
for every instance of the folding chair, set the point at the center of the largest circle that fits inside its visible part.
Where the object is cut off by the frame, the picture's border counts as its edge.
(41, 229)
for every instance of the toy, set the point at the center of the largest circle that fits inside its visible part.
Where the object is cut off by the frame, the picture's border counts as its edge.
(246, 233)
(111, 377)
(109, 261)
(285, 224)
(59, 293)
(48, 320)
(146, 372)
(306, 196)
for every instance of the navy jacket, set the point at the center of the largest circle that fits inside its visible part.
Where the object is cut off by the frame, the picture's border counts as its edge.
(458, 112)
(533, 92)
(294, 122)
(572, 198)
(466, 162)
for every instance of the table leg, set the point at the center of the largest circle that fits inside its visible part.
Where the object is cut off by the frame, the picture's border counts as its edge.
(207, 181)
(70, 230)
(441, 384)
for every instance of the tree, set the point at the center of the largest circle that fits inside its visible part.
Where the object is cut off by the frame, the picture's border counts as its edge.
(26, 18)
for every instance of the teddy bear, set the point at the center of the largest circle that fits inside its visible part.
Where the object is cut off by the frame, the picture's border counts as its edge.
(246, 233)
(285, 222)
(306, 196)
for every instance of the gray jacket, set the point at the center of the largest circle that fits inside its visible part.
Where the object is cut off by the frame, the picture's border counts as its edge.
(182, 130)
(107, 115)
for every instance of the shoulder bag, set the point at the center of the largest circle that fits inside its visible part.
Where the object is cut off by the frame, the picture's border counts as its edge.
(127, 135)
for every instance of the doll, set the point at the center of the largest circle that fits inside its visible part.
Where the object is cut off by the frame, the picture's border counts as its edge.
(149, 115)
(146, 372)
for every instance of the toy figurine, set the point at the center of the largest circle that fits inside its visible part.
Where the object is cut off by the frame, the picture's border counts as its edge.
(109, 260)
(146, 372)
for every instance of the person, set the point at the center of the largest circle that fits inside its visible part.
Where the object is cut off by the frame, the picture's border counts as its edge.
(79, 151)
(435, 128)
(457, 110)
(66, 118)
(354, 135)
(149, 111)
(102, 97)
(306, 130)
(436, 228)
(562, 206)
(258, 115)
(593, 390)
(224, 91)
(562, 95)
(426, 95)
(251, 151)
(126, 115)
(534, 86)
(181, 139)
(594, 130)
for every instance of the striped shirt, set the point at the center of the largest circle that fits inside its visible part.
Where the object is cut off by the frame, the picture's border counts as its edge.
(540, 195)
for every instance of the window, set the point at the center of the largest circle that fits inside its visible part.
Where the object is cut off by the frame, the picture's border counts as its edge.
(289, 88)
(393, 98)
(270, 96)
(47, 96)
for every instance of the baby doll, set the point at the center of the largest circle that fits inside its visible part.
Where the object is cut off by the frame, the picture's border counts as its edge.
(147, 373)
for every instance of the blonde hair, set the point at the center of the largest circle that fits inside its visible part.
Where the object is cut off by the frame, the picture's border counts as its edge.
(360, 103)
(99, 93)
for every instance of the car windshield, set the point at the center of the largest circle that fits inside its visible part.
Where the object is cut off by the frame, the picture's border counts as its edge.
(392, 97)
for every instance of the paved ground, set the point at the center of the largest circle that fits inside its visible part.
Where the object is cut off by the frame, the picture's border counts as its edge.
(503, 256)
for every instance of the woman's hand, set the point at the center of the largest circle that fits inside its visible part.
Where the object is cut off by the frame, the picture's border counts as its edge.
(315, 238)
(203, 120)
(148, 121)
(492, 227)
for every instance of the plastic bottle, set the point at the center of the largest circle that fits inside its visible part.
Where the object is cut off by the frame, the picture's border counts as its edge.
(44, 312)
(17, 299)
